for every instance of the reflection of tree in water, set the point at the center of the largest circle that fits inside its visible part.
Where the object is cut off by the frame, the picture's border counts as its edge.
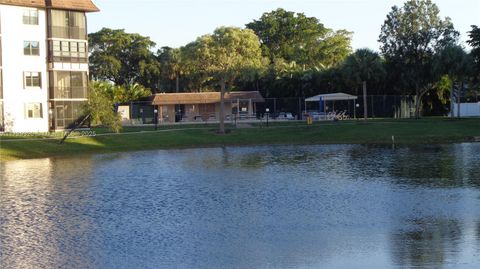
(435, 165)
(417, 165)
(428, 243)
(478, 232)
(262, 157)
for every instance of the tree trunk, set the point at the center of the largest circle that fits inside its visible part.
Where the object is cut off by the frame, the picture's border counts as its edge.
(418, 98)
(221, 129)
(177, 83)
(418, 101)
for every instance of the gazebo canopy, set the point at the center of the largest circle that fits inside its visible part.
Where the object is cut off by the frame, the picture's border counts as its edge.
(331, 97)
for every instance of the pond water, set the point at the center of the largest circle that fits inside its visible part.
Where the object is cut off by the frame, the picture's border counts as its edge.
(325, 206)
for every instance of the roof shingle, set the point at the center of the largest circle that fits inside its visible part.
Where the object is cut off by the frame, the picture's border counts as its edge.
(83, 5)
(80, 5)
(203, 98)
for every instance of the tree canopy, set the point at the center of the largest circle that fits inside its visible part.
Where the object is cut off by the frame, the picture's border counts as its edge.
(225, 55)
(122, 58)
(363, 65)
(101, 106)
(286, 54)
(410, 37)
(295, 37)
(171, 65)
(474, 41)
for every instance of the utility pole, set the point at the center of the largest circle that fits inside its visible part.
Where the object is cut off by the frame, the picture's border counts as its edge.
(365, 115)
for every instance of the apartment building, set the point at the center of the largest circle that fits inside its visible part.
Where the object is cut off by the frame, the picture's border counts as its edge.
(43, 63)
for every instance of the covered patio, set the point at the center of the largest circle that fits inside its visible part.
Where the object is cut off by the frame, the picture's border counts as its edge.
(326, 104)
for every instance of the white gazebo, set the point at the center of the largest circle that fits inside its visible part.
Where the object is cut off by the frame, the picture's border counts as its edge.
(323, 98)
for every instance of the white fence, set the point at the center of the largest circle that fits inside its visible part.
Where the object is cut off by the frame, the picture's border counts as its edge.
(467, 109)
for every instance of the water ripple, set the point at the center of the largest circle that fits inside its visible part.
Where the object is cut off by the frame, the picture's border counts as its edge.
(335, 206)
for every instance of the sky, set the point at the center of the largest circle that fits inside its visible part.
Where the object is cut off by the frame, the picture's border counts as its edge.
(175, 23)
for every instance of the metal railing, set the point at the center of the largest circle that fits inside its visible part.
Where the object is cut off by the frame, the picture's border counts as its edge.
(68, 92)
(67, 59)
(68, 32)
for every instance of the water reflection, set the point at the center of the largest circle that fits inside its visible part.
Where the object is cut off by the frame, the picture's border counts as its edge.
(478, 232)
(438, 165)
(39, 215)
(335, 206)
(428, 242)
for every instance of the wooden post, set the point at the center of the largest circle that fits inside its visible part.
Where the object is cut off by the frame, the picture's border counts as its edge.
(161, 114)
(222, 106)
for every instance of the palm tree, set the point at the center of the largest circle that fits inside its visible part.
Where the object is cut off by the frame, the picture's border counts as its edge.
(170, 59)
(363, 66)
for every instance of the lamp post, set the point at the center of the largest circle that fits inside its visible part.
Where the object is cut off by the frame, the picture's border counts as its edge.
(155, 114)
(267, 110)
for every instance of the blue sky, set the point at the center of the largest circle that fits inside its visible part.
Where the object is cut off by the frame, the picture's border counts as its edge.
(174, 23)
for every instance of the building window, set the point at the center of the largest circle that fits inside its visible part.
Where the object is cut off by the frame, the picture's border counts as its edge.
(68, 51)
(31, 48)
(33, 110)
(65, 113)
(30, 16)
(68, 85)
(32, 79)
(67, 24)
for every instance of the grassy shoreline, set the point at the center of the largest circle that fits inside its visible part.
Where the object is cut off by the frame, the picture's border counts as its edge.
(424, 131)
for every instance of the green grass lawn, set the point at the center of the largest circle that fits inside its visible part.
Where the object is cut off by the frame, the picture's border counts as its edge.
(432, 130)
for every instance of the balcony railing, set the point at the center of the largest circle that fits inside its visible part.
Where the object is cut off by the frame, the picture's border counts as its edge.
(68, 32)
(67, 59)
(68, 92)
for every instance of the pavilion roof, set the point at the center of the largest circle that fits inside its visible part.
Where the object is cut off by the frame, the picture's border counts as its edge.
(204, 97)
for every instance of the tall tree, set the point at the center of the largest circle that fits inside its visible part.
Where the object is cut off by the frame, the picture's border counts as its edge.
(227, 54)
(122, 58)
(197, 79)
(171, 66)
(410, 37)
(454, 62)
(333, 49)
(474, 41)
(295, 37)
